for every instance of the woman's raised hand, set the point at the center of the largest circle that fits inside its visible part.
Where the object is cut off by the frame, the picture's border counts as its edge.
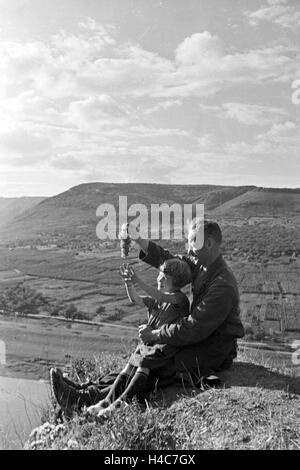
(132, 274)
(125, 273)
(128, 273)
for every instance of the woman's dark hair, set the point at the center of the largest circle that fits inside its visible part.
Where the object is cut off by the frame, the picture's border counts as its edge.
(179, 271)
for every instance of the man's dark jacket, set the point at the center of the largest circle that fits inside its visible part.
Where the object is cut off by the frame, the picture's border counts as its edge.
(214, 323)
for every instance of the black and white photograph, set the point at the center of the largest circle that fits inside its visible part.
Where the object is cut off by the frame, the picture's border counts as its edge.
(149, 227)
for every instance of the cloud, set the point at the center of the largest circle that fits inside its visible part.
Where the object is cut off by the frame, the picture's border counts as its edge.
(277, 2)
(204, 67)
(285, 135)
(279, 142)
(251, 114)
(158, 132)
(85, 103)
(67, 161)
(198, 47)
(20, 147)
(142, 162)
(129, 70)
(96, 111)
(205, 142)
(163, 105)
(94, 63)
(73, 65)
(284, 13)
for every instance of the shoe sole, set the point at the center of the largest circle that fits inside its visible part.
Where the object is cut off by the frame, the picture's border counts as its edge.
(62, 397)
(53, 379)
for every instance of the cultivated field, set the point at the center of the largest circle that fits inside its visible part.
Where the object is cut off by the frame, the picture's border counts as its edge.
(68, 278)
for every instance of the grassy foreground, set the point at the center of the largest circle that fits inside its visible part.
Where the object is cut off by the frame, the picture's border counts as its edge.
(258, 407)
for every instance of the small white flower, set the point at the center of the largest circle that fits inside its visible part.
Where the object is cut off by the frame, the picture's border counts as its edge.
(37, 444)
(34, 433)
(72, 444)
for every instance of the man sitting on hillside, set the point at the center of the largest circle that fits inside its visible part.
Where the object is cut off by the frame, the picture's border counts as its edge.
(207, 338)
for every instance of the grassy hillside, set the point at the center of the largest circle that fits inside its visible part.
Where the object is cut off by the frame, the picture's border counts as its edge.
(261, 202)
(11, 207)
(256, 408)
(257, 221)
(74, 211)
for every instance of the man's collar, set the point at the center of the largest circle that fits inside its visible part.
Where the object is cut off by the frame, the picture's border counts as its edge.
(212, 268)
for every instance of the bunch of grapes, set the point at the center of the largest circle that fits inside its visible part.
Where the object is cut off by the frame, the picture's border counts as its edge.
(125, 241)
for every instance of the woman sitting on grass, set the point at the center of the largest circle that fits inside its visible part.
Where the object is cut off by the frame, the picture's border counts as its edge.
(165, 305)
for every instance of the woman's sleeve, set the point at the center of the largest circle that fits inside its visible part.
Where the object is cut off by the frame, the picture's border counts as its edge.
(148, 302)
(184, 306)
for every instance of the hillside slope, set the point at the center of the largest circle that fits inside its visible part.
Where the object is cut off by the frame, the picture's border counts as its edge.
(73, 212)
(257, 408)
(261, 202)
(11, 207)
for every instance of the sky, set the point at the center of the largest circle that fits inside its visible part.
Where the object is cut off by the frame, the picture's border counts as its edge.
(159, 91)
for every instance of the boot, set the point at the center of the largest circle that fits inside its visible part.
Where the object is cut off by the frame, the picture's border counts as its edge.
(78, 386)
(69, 397)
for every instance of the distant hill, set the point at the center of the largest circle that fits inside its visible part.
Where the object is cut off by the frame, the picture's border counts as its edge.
(11, 207)
(73, 212)
(261, 202)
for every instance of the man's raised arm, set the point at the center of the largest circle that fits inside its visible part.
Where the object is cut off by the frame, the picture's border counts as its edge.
(152, 254)
(143, 244)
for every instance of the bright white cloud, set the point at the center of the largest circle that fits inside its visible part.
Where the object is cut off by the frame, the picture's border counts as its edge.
(198, 47)
(285, 13)
(204, 67)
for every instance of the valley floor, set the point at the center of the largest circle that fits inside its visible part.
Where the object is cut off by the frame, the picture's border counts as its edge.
(30, 347)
